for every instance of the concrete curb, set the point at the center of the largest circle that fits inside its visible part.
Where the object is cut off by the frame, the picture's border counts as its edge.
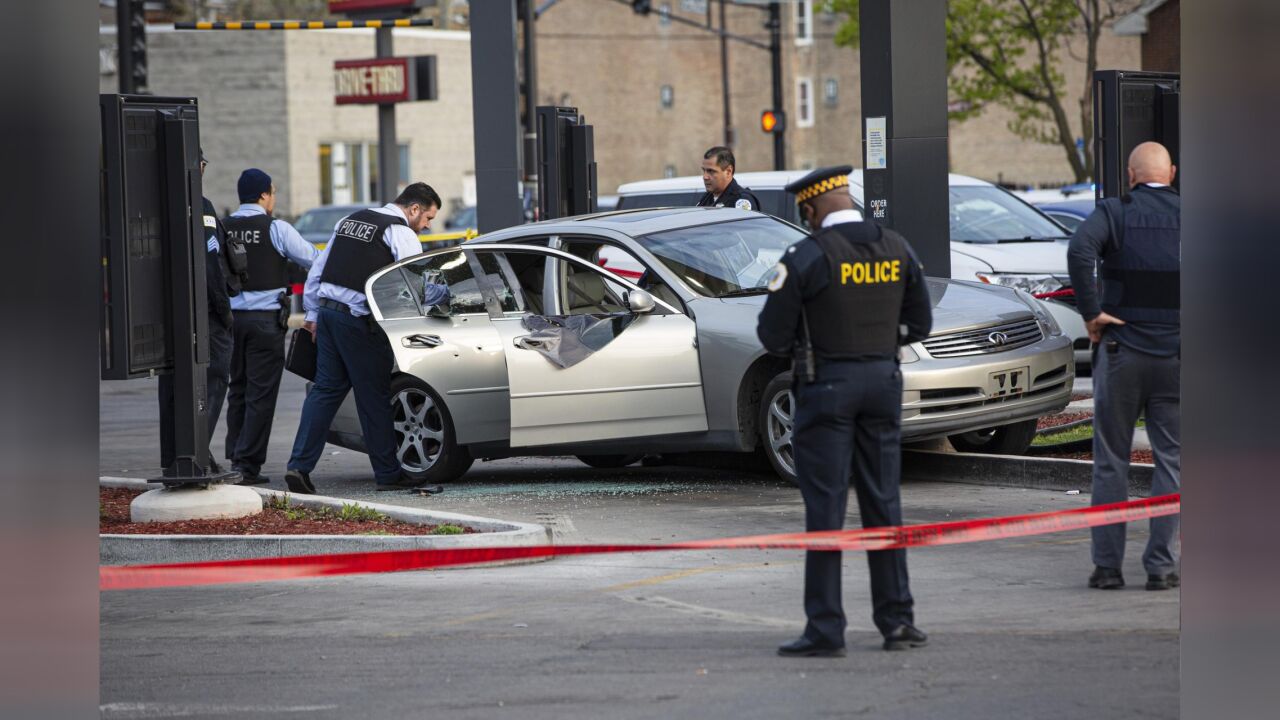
(150, 549)
(1014, 471)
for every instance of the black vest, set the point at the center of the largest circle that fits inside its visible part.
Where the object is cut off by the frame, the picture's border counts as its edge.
(357, 249)
(859, 311)
(268, 269)
(1140, 278)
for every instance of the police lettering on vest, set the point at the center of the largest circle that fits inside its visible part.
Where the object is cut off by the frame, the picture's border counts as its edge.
(359, 249)
(267, 268)
(856, 314)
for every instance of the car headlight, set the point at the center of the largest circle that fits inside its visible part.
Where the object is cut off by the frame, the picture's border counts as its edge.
(907, 355)
(1048, 325)
(1034, 284)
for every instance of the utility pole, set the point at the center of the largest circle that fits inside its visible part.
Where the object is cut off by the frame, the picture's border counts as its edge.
(388, 148)
(724, 75)
(775, 57)
(528, 18)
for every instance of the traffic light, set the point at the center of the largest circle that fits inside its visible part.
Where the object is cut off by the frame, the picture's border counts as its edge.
(131, 36)
(641, 7)
(773, 121)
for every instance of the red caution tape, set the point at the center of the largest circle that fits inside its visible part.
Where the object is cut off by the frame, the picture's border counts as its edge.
(124, 577)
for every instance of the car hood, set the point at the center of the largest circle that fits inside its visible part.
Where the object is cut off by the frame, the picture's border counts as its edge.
(1041, 256)
(957, 305)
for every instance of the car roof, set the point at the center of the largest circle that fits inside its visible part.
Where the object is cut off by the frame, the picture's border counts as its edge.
(628, 222)
(1083, 205)
(767, 180)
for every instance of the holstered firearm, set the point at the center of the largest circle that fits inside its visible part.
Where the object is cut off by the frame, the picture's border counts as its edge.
(286, 306)
(804, 362)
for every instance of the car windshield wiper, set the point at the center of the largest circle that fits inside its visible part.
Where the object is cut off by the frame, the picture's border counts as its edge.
(1032, 238)
(744, 291)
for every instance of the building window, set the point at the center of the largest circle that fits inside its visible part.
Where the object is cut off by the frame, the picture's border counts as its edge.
(349, 172)
(804, 22)
(694, 6)
(664, 14)
(831, 92)
(668, 96)
(804, 102)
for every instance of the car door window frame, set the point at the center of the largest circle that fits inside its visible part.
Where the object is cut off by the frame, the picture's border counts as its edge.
(399, 266)
(549, 283)
(558, 242)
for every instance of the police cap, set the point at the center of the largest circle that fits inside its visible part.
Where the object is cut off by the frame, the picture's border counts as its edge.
(820, 181)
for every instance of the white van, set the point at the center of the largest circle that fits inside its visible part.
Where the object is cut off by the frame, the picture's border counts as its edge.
(996, 237)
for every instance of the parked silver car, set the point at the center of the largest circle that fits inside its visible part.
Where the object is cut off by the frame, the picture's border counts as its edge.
(686, 371)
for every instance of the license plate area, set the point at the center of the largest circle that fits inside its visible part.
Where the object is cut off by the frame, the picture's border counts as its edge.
(1008, 383)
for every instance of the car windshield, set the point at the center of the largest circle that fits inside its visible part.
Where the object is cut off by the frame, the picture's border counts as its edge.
(321, 219)
(984, 214)
(724, 259)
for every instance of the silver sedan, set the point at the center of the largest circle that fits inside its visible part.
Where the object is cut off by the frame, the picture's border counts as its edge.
(673, 363)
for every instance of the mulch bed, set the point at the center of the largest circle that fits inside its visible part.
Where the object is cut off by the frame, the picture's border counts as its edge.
(1137, 456)
(1078, 397)
(1060, 419)
(114, 519)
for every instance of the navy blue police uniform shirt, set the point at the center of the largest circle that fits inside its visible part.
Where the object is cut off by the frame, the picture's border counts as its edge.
(804, 271)
(734, 196)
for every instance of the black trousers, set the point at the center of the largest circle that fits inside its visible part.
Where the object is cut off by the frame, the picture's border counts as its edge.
(220, 342)
(257, 362)
(850, 421)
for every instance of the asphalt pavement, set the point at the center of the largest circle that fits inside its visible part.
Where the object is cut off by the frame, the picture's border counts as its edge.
(1014, 631)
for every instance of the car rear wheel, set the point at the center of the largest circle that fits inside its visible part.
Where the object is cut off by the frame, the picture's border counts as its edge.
(609, 462)
(1011, 439)
(777, 422)
(426, 444)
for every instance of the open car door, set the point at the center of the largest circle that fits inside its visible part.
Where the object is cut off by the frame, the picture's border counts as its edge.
(645, 381)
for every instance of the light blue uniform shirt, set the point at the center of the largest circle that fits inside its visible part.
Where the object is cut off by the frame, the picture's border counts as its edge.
(404, 243)
(289, 243)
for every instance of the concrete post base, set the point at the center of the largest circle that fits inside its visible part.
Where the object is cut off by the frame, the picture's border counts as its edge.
(194, 503)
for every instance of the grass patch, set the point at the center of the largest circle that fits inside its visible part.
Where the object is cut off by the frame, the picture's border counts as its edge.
(349, 511)
(1079, 432)
(447, 529)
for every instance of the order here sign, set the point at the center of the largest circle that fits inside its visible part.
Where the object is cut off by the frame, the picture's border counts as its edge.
(384, 80)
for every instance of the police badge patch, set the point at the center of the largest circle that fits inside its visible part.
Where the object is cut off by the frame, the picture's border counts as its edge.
(743, 204)
(778, 277)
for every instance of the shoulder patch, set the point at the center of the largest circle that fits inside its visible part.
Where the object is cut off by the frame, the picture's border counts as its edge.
(210, 221)
(778, 277)
(743, 204)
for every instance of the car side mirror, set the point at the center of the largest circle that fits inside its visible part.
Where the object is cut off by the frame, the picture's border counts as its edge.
(640, 302)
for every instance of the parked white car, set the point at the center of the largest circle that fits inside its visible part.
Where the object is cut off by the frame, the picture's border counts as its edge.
(996, 237)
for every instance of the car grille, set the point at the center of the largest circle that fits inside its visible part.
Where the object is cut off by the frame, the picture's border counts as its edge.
(979, 342)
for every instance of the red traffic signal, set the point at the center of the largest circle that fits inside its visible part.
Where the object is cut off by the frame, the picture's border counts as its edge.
(773, 121)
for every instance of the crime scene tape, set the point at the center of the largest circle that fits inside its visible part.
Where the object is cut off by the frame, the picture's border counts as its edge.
(136, 577)
(305, 24)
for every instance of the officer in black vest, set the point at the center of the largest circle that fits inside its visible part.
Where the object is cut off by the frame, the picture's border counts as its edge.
(220, 340)
(352, 351)
(1137, 352)
(718, 166)
(841, 302)
(261, 313)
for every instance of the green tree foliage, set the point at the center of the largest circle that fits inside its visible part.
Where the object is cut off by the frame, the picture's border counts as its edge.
(1010, 53)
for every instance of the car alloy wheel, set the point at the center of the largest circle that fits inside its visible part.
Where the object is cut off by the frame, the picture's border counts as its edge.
(779, 425)
(419, 429)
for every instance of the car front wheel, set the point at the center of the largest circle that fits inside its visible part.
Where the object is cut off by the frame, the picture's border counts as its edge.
(426, 444)
(1013, 439)
(777, 423)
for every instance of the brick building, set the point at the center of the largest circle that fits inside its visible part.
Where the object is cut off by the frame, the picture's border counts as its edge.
(1159, 24)
(266, 100)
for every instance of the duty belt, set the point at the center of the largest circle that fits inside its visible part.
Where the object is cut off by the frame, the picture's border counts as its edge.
(335, 305)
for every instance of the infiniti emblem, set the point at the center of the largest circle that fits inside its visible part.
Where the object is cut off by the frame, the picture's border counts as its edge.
(998, 338)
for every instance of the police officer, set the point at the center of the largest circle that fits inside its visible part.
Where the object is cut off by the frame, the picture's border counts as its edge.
(220, 323)
(261, 317)
(352, 351)
(1136, 355)
(848, 296)
(722, 190)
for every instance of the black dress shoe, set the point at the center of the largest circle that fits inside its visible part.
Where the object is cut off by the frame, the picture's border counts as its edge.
(253, 479)
(1163, 582)
(299, 482)
(1106, 578)
(904, 637)
(804, 647)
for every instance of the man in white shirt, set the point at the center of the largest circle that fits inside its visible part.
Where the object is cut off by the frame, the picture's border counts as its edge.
(352, 351)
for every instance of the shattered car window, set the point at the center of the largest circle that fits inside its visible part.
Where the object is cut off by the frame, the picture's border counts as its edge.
(731, 257)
